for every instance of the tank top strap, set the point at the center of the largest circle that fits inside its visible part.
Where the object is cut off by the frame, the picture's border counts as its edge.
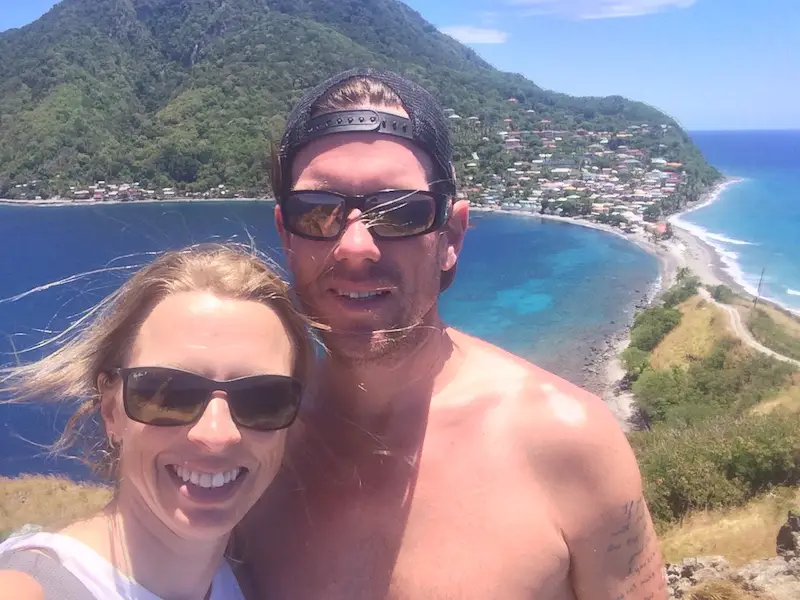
(103, 579)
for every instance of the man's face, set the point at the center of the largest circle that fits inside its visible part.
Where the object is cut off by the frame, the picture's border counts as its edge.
(373, 294)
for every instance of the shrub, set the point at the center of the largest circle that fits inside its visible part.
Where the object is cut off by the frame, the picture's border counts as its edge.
(724, 381)
(683, 290)
(635, 361)
(657, 392)
(716, 463)
(722, 293)
(651, 325)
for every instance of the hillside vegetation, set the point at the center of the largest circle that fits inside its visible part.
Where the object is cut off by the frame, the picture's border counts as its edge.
(191, 93)
(50, 502)
(720, 447)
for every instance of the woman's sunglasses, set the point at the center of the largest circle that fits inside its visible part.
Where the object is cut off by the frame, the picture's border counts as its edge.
(389, 214)
(170, 397)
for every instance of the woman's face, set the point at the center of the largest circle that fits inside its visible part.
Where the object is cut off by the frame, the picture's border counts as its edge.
(220, 339)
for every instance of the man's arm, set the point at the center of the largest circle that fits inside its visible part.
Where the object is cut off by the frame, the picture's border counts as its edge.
(597, 492)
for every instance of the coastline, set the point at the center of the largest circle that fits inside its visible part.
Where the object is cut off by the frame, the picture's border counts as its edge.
(684, 249)
(65, 202)
(603, 371)
(708, 262)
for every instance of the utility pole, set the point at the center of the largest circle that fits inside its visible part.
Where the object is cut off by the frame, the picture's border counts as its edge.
(758, 294)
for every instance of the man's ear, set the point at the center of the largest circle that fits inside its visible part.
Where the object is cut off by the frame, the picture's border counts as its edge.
(110, 407)
(455, 230)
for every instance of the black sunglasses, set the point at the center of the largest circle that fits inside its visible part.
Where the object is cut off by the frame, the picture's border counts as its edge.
(170, 397)
(389, 214)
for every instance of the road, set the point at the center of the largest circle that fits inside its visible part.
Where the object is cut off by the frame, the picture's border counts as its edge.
(743, 333)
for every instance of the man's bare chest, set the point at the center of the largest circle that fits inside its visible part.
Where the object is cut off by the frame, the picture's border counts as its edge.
(455, 534)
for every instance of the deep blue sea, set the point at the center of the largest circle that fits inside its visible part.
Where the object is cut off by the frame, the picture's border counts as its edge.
(755, 224)
(547, 291)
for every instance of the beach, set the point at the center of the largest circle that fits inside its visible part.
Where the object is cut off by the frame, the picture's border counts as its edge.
(684, 249)
(602, 370)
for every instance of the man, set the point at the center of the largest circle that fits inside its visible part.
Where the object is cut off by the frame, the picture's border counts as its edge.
(428, 464)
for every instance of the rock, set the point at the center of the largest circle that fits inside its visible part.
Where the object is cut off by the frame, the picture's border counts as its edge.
(687, 574)
(775, 577)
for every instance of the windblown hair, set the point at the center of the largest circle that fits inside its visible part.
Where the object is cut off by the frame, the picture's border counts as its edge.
(354, 93)
(70, 373)
(357, 92)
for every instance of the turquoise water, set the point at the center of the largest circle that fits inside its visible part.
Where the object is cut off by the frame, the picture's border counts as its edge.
(550, 292)
(755, 224)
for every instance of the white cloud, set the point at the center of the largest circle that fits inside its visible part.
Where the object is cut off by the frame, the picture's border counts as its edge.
(467, 34)
(599, 9)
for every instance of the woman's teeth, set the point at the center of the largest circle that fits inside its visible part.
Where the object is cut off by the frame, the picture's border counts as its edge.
(358, 295)
(207, 480)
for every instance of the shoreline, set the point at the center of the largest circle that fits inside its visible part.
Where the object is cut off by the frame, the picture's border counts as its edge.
(603, 369)
(65, 202)
(684, 249)
(710, 263)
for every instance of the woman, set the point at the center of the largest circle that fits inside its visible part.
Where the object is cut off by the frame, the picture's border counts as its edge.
(192, 371)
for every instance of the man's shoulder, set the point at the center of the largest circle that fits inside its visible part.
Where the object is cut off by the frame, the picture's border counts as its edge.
(535, 397)
(544, 413)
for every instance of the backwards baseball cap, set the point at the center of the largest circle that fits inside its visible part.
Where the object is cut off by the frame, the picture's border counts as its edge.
(426, 127)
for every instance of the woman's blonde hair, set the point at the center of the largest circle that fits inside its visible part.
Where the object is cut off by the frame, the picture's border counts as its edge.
(70, 373)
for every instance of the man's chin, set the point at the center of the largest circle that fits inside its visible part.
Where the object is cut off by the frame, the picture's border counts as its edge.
(356, 345)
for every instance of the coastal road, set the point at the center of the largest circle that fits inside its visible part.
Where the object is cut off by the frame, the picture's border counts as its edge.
(742, 332)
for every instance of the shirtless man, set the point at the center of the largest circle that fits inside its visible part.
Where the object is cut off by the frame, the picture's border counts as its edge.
(428, 464)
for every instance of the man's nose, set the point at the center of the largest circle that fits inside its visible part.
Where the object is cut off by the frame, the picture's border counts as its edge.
(356, 245)
(215, 430)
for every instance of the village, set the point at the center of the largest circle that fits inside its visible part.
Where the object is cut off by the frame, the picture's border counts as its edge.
(527, 165)
(606, 177)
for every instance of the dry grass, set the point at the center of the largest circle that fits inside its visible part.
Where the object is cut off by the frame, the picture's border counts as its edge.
(701, 327)
(786, 320)
(787, 399)
(721, 590)
(741, 535)
(51, 502)
(776, 329)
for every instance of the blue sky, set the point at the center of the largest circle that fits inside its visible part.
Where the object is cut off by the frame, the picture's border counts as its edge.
(711, 64)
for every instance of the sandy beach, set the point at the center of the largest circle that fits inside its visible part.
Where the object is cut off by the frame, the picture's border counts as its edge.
(605, 371)
(703, 259)
(684, 249)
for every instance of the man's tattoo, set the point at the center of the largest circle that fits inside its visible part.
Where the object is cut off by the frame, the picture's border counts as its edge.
(633, 541)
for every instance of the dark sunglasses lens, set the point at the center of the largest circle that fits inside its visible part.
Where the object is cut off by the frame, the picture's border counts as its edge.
(314, 214)
(164, 397)
(266, 403)
(400, 214)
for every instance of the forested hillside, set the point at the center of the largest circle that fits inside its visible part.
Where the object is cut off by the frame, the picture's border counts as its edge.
(190, 93)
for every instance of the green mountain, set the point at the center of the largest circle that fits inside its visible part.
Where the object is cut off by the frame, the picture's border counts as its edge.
(190, 92)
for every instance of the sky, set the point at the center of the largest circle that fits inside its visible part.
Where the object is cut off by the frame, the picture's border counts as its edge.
(710, 64)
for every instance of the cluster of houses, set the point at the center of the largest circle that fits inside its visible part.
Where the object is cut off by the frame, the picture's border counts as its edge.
(605, 176)
(131, 192)
(594, 175)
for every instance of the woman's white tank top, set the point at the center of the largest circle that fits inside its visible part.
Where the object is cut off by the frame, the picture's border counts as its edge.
(102, 578)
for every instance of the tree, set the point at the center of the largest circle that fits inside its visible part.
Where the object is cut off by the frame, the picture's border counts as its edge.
(635, 361)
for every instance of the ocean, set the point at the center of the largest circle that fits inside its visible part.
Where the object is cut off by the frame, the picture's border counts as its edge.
(755, 224)
(551, 292)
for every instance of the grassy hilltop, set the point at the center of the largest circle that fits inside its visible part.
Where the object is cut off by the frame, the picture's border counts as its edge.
(720, 447)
